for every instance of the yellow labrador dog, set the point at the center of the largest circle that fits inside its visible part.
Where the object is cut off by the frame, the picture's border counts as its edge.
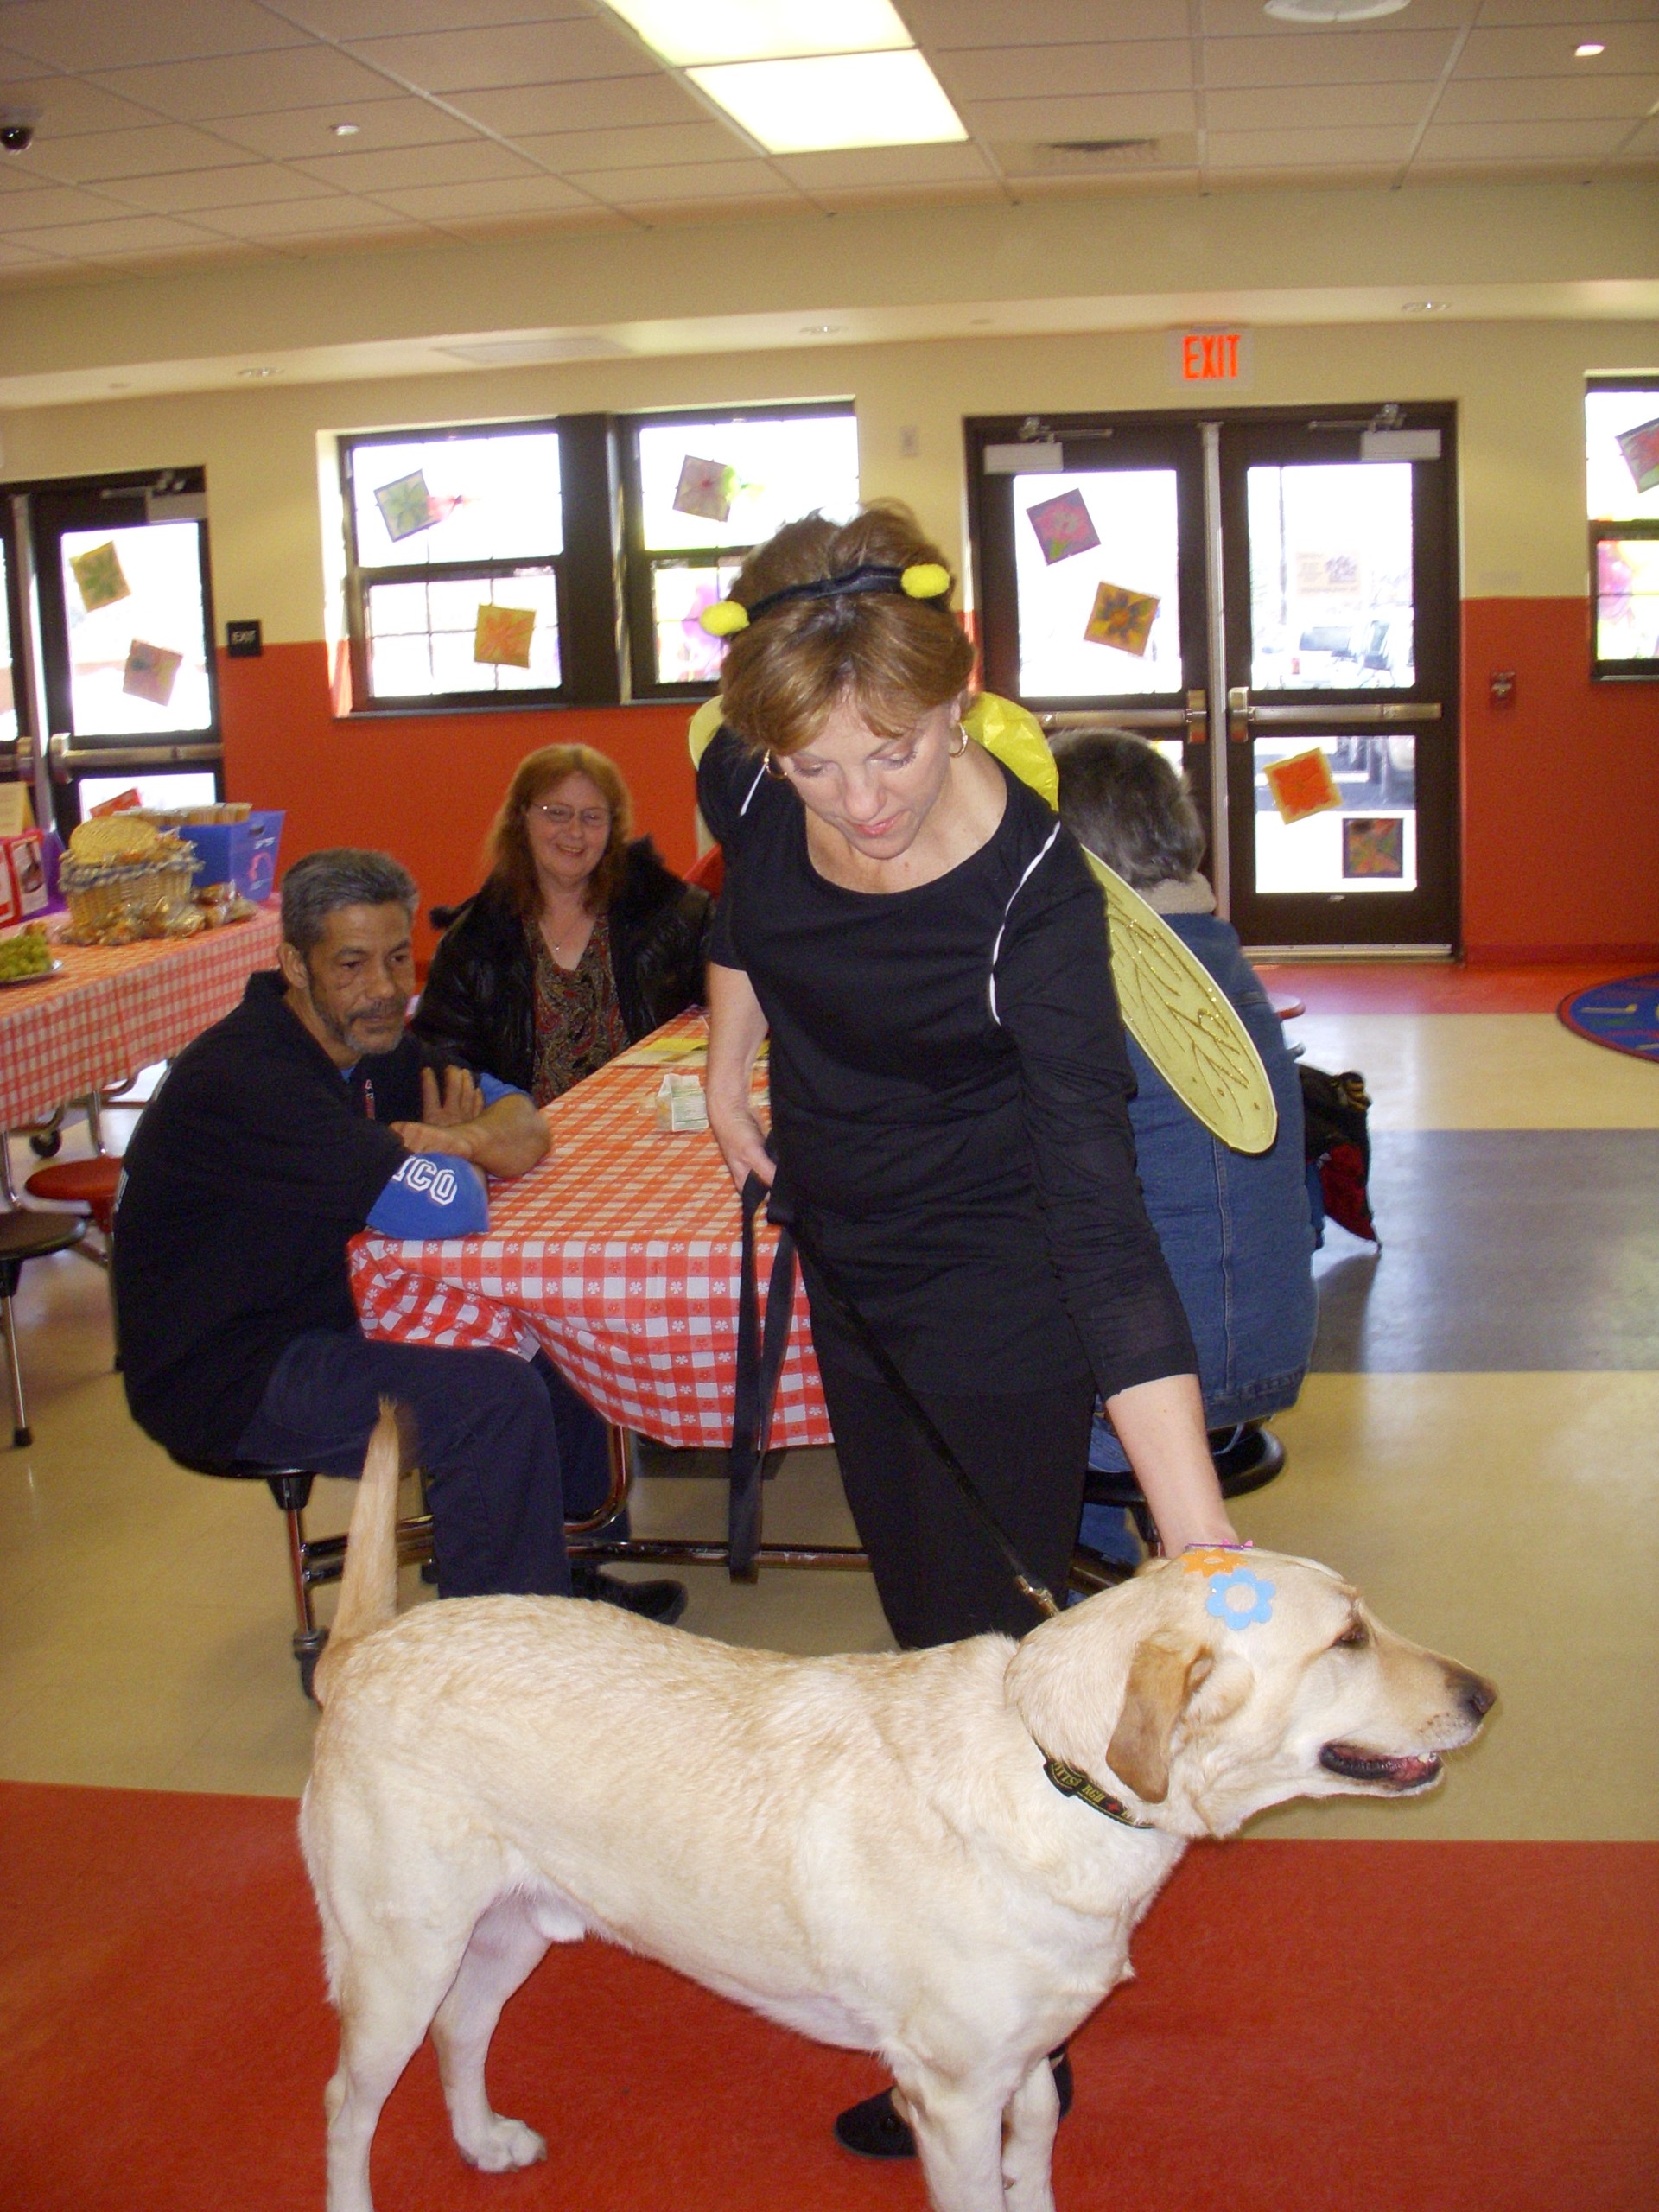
(936, 1855)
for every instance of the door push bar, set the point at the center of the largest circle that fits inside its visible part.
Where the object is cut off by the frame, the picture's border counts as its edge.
(1242, 715)
(1193, 718)
(68, 759)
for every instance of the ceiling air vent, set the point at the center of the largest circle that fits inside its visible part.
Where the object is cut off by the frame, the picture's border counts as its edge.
(1097, 157)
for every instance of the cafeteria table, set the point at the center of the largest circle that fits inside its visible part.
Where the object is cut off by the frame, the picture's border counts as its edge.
(620, 1257)
(113, 1009)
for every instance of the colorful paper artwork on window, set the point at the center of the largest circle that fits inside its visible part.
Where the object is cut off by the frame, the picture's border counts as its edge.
(1063, 526)
(1120, 618)
(150, 673)
(102, 580)
(1640, 448)
(1373, 845)
(502, 636)
(406, 506)
(706, 488)
(1329, 574)
(1302, 785)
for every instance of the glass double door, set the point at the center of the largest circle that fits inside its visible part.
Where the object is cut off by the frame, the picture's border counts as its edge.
(1271, 600)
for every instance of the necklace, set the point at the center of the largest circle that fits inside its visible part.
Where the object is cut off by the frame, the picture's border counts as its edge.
(556, 946)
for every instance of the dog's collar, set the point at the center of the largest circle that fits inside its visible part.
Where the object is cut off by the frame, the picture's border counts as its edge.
(1072, 1782)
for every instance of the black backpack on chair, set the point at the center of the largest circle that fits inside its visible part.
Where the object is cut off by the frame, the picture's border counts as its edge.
(1337, 1141)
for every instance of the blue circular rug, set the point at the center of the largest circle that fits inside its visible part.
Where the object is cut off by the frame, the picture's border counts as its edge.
(1623, 1016)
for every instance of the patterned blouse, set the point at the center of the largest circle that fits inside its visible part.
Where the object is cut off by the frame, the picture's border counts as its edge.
(579, 1023)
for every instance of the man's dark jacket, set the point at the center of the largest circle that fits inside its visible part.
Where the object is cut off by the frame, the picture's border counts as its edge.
(478, 1007)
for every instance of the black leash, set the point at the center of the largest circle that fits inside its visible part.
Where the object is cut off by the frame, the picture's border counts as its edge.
(757, 1386)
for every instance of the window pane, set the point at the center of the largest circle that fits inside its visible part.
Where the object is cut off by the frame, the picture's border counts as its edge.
(1368, 843)
(187, 787)
(679, 592)
(1627, 599)
(8, 696)
(424, 638)
(1615, 473)
(734, 483)
(137, 640)
(483, 499)
(1072, 536)
(1331, 577)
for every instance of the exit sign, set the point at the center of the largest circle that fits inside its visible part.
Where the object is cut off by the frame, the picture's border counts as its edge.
(1209, 357)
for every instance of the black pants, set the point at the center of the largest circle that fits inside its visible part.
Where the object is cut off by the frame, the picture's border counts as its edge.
(938, 1575)
(508, 1449)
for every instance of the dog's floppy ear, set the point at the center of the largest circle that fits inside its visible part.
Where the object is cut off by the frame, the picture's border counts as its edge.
(1163, 1675)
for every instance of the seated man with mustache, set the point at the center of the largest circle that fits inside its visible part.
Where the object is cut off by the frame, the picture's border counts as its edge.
(305, 1116)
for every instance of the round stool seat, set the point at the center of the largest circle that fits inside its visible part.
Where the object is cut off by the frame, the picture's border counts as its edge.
(25, 1235)
(89, 1183)
(1247, 1459)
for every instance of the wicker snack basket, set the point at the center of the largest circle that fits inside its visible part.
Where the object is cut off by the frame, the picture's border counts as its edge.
(114, 902)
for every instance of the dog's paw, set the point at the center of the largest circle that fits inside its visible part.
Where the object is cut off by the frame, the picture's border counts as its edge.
(505, 2145)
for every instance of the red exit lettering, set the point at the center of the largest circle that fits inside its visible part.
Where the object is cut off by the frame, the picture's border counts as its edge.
(1209, 357)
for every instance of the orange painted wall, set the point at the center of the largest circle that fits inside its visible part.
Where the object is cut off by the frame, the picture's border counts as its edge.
(426, 786)
(1561, 793)
(1561, 789)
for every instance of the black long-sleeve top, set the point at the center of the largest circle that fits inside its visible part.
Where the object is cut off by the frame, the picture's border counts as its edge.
(950, 1091)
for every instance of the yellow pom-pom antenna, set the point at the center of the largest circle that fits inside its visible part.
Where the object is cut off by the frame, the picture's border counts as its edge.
(925, 580)
(724, 619)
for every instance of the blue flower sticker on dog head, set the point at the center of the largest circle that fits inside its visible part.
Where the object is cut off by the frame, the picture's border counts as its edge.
(1239, 1598)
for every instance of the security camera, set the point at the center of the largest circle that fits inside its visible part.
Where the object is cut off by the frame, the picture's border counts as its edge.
(17, 128)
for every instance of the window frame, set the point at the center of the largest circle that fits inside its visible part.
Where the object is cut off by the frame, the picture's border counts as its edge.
(362, 580)
(639, 565)
(1601, 529)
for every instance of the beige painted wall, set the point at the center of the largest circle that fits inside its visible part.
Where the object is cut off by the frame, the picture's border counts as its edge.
(1519, 387)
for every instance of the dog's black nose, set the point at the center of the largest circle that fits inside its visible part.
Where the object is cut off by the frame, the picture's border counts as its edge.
(1475, 1693)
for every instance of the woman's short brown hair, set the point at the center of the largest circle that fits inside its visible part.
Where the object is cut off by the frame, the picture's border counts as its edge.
(511, 866)
(893, 658)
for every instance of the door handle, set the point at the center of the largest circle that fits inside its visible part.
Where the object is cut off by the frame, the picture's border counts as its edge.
(1197, 718)
(1240, 714)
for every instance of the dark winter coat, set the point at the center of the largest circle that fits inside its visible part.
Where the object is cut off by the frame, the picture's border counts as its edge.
(478, 1007)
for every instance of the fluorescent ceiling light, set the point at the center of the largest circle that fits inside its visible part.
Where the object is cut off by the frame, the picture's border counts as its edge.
(682, 31)
(837, 100)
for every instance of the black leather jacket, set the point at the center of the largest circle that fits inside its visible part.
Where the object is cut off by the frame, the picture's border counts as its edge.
(478, 1007)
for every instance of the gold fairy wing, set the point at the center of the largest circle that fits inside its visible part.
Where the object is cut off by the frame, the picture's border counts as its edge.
(1185, 1023)
(704, 723)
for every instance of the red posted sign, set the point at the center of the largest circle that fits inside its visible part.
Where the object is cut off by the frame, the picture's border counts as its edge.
(1211, 357)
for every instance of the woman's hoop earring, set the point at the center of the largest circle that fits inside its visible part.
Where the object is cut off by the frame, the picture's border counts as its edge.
(961, 746)
(772, 767)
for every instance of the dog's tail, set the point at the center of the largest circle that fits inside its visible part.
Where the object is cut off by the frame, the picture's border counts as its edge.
(368, 1585)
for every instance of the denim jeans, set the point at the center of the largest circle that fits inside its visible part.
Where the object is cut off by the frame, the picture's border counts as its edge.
(1234, 1226)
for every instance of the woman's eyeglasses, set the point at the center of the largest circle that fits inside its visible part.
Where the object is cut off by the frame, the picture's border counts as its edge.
(561, 817)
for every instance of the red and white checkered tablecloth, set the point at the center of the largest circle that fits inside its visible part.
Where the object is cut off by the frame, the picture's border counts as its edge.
(620, 1255)
(114, 1009)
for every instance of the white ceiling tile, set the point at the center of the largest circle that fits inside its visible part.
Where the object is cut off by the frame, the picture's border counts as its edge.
(885, 165)
(1351, 57)
(1306, 149)
(134, 153)
(615, 103)
(70, 108)
(746, 209)
(1504, 172)
(355, 19)
(296, 134)
(1591, 13)
(1042, 72)
(302, 218)
(1646, 140)
(1526, 100)
(1311, 107)
(525, 53)
(1537, 52)
(446, 203)
(1556, 141)
(469, 161)
(683, 180)
(944, 192)
(182, 193)
(629, 149)
(35, 210)
(111, 34)
(17, 253)
(939, 25)
(118, 234)
(1312, 176)
(1136, 115)
(301, 76)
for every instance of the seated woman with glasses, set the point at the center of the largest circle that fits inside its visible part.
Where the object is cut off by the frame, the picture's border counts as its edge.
(580, 941)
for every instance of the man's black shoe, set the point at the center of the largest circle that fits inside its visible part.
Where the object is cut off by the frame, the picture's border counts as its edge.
(875, 2130)
(662, 1601)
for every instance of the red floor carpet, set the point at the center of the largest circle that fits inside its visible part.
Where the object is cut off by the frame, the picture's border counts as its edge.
(1317, 2027)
